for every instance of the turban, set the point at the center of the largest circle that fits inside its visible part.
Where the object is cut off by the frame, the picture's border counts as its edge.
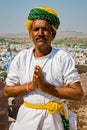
(43, 13)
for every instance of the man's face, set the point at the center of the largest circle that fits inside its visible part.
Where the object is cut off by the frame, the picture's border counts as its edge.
(41, 33)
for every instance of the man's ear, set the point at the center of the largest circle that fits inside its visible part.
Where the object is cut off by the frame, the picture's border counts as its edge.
(53, 33)
(30, 36)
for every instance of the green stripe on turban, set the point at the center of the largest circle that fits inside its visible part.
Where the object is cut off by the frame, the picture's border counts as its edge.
(43, 13)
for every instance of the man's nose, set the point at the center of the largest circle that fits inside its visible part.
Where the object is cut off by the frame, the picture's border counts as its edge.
(41, 32)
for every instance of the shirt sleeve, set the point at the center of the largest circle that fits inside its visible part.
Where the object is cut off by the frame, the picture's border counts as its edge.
(70, 73)
(13, 73)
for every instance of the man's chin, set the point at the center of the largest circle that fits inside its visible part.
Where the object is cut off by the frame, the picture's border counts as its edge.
(42, 46)
(40, 43)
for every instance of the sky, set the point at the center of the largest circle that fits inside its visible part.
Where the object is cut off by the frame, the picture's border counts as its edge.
(14, 13)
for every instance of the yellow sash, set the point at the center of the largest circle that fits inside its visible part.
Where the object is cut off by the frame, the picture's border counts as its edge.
(51, 107)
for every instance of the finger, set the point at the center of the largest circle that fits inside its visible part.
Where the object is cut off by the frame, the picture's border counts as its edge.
(37, 71)
(38, 67)
(38, 74)
(35, 77)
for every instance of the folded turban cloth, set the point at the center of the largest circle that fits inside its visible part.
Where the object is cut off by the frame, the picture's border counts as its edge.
(43, 13)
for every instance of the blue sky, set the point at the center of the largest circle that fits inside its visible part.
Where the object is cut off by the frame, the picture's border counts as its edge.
(72, 14)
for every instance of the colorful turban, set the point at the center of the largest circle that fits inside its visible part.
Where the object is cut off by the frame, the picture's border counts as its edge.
(43, 13)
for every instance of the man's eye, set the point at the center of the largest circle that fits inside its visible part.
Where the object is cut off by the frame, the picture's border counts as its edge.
(35, 29)
(45, 29)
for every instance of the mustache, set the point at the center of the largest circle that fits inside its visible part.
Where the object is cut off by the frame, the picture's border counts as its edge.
(40, 37)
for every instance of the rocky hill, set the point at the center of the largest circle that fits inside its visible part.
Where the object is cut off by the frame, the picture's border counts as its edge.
(60, 34)
(67, 34)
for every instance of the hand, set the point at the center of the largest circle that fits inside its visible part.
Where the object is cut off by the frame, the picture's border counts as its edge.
(31, 85)
(39, 78)
(34, 83)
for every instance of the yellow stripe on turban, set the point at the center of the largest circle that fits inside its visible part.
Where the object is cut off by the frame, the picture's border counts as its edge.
(43, 13)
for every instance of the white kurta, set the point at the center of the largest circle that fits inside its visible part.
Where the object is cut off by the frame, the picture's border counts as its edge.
(59, 69)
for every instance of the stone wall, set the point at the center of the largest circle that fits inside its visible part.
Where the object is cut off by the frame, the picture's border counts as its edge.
(4, 124)
(80, 107)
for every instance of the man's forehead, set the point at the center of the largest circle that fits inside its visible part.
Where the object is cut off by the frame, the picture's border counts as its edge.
(41, 23)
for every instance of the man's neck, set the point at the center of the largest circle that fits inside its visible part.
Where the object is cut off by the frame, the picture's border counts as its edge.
(42, 52)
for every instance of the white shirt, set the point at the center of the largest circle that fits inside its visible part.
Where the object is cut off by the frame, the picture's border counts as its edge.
(58, 68)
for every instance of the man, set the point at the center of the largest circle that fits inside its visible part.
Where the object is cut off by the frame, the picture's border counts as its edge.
(44, 75)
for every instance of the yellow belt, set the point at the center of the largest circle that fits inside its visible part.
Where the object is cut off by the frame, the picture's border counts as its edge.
(51, 107)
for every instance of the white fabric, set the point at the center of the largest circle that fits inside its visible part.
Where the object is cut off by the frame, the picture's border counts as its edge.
(58, 68)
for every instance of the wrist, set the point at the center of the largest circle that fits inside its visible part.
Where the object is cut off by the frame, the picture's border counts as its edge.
(28, 87)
